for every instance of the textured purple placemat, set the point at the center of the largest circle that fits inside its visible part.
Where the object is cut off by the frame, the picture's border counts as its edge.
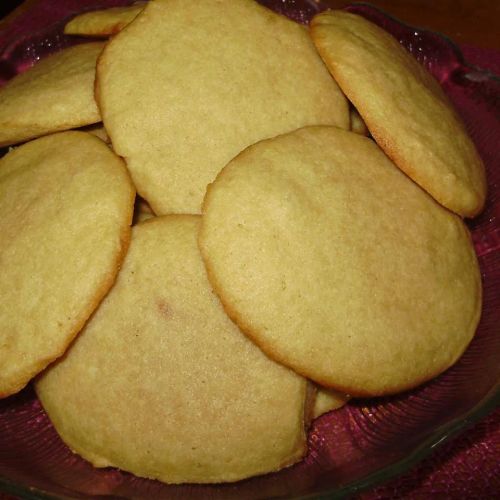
(465, 468)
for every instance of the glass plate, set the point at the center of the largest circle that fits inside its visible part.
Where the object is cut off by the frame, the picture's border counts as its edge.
(368, 440)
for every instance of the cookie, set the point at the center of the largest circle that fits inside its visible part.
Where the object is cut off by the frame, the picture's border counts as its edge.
(404, 108)
(56, 94)
(66, 202)
(338, 265)
(209, 79)
(162, 384)
(102, 23)
(327, 400)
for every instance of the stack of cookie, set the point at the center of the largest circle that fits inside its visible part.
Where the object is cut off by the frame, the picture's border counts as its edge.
(299, 237)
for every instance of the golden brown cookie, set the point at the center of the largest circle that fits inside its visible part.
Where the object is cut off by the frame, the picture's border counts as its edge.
(209, 79)
(102, 23)
(338, 265)
(161, 383)
(66, 202)
(404, 108)
(56, 94)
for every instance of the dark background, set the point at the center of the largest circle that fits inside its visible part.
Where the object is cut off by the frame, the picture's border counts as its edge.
(8, 5)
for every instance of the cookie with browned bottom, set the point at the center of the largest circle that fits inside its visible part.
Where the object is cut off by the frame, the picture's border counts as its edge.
(66, 202)
(404, 108)
(338, 265)
(161, 383)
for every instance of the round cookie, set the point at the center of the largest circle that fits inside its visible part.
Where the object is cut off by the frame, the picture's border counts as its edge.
(66, 202)
(102, 23)
(338, 265)
(56, 94)
(161, 383)
(404, 108)
(209, 79)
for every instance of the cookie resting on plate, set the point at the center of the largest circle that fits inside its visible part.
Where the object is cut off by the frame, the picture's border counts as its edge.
(55, 94)
(162, 365)
(66, 202)
(338, 265)
(188, 85)
(405, 109)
